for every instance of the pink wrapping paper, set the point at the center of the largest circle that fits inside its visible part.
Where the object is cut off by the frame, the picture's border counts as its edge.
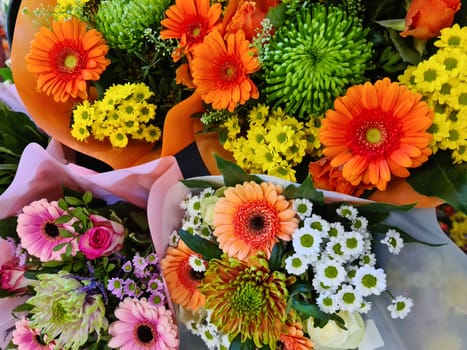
(42, 174)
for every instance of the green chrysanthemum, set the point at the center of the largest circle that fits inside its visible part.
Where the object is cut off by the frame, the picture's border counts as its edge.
(64, 313)
(313, 58)
(124, 22)
(249, 300)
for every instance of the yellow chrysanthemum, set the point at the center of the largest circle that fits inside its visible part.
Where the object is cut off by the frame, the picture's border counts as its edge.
(453, 60)
(122, 113)
(460, 95)
(272, 139)
(430, 75)
(454, 36)
(65, 9)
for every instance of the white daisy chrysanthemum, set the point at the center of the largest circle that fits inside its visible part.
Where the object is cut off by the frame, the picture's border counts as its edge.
(334, 249)
(192, 326)
(209, 334)
(330, 272)
(368, 259)
(336, 229)
(193, 206)
(190, 224)
(174, 238)
(320, 287)
(365, 307)
(347, 211)
(348, 298)
(394, 241)
(351, 272)
(400, 307)
(316, 222)
(205, 231)
(370, 280)
(184, 203)
(359, 224)
(352, 244)
(303, 207)
(306, 241)
(296, 264)
(207, 192)
(197, 263)
(327, 302)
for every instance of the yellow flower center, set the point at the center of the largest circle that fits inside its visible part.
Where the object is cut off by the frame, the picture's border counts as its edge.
(373, 135)
(70, 61)
(196, 31)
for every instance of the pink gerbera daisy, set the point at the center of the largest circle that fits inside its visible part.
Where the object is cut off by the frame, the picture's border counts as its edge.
(142, 325)
(40, 234)
(27, 338)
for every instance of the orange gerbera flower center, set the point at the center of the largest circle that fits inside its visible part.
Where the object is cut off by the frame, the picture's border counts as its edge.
(67, 58)
(256, 222)
(231, 71)
(196, 29)
(374, 134)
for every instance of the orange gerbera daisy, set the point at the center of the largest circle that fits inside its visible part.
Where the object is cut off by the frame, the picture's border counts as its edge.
(376, 130)
(221, 68)
(182, 280)
(250, 218)
(293, 338)
(189, 21)
(65, 57)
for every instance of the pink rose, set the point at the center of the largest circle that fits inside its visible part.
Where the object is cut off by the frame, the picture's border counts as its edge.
(11, 274)
(104, 238)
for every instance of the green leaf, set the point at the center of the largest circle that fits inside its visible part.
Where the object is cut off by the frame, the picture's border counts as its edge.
(237, 344)
(63, 219)
(207, 249)
(65, 233)
(405, 48)
(438, 177)
(23, 307)
(377, 212)
(6, 74)
(73, 200)
(304, 190)
(383, 228)
(87, 197)
(308, 309)
(232, 173)
(59, 246)
(8, 227)
(62, 204)
(198, 184)
(276, 15)
(275, 262)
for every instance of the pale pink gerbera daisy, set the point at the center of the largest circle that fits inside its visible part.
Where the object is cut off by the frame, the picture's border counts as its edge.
(143, 326)
(40, 234)
(27, 338)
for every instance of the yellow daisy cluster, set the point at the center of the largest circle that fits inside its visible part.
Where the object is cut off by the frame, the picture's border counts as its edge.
(64, 9)
(459, 229)
(274, 142)
(442, 80)
(123, 112)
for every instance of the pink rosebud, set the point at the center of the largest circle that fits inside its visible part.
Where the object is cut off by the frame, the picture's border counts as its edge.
(104, 238)
(11, 274)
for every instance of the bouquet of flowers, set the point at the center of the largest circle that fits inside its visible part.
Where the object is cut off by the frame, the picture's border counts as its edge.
(77, 256)
(291, 87)
(90, 275)
(361, 95)
(258, 262)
